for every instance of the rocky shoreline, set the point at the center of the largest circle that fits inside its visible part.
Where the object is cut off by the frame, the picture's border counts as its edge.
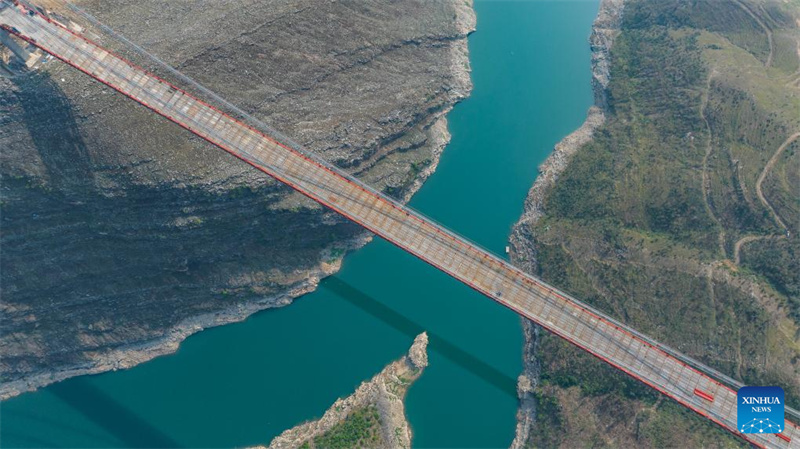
(126, 356)
(605, 27)
(385, 391)
(130, 356)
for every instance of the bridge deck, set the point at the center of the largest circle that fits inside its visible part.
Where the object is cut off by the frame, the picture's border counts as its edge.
(495, 278)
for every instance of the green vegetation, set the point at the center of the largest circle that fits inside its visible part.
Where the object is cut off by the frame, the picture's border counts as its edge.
(729, 20)
(778, 260)
(361, 429)
(629, 228)
(549, 421)
(675, 421)
(595, 378)
(783, 182)
(634, 181)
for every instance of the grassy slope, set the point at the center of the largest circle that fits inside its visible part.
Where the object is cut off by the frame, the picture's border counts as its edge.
(648, 248)
(361, 428)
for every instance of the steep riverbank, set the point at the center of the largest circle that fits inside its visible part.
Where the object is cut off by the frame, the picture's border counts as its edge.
(523, 253)
(639, 215)
(173, 244)
(384, 393)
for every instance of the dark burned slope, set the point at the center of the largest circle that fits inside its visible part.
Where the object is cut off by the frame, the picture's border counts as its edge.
(122, 233)
(658, 220)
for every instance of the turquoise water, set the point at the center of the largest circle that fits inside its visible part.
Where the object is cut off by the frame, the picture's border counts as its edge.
(244, 383)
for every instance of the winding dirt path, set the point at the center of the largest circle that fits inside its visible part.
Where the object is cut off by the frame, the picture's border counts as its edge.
(773, 160)
(706, 180)
(763, 26)
(794, 78)
(737, 248)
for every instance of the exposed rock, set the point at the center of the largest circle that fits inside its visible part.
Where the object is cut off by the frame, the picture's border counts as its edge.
(418, 353)
(523, 254)
(555, 165)
(524, 385)
(385, 391)
(605, 28)
(123, 234)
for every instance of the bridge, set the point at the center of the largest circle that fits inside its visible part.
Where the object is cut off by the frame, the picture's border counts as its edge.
(661, 368)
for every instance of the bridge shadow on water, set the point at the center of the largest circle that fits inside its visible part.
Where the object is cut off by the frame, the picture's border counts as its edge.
(443, 346)
(135, 431)
(129, 428)
(43, 418)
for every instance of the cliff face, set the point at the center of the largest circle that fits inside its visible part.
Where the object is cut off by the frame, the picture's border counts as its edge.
(123, 234)
(643, 213)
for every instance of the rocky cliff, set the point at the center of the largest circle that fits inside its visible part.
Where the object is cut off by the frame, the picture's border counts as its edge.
(122, 233)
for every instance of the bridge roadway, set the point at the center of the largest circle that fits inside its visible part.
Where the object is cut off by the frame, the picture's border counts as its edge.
(554, 310)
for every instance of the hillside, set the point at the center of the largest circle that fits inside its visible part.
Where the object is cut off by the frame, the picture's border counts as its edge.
(123, 234)
(679, 217)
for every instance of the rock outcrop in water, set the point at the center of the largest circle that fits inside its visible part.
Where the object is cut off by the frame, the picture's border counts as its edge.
(124, 234)
(373, 416)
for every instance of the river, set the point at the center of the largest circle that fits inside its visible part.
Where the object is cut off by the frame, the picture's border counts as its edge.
(244, 383)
